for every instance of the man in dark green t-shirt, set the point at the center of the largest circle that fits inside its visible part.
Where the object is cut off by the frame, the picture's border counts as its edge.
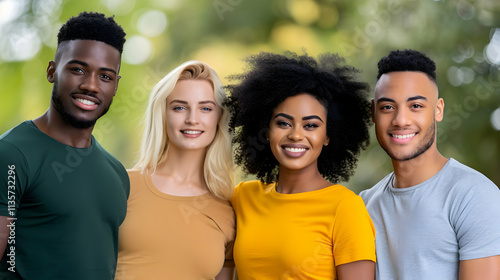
(62, 196)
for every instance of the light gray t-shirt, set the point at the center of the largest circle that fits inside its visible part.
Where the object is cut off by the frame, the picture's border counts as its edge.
(422, 232)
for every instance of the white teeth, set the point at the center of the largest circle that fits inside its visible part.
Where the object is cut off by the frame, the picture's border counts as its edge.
(191, 132)
(295, 150)
(85, 101)
(403, 136)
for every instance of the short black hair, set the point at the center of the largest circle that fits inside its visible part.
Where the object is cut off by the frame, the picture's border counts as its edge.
(407, 60)
(270, 79)
(93, 26)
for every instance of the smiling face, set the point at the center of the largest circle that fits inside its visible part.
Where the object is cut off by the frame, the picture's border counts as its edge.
(192, 115)
(405, 110)
(85, 77)
(297, 132)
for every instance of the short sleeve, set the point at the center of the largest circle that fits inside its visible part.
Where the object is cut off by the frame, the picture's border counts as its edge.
(234, 199)
(476, 221)
(353, 232)
(13, 178)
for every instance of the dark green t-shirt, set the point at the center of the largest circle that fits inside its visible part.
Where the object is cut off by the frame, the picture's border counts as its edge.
(65, 205)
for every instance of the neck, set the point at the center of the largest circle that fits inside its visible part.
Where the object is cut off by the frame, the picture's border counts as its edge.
(297, 181)
(185, 165)
(418, 170)
(52, 124)
(181, 173)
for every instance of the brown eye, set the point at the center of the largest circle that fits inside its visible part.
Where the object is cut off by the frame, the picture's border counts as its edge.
(311, 126)
(282, 123)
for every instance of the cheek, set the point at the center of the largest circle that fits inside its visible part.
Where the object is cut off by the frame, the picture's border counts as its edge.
(320, 137)
(275, 148)
(172, 122)
(274, 140)
(212, 121)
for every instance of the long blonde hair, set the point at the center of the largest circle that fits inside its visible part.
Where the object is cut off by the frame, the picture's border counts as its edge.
(218, 165)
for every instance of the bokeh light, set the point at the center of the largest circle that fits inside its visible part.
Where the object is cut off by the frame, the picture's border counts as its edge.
(120, 7)
(465, 10)
(137, 50)
(152, 23)
(495, 119)
(492, 50)
(458, 76)
(11, 10)
(22, 43)
(304, 12)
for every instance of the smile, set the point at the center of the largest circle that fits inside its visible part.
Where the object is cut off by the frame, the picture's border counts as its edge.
(193, 132)
(295, 150)
(85, 101)
(86, 104)
(403, 136)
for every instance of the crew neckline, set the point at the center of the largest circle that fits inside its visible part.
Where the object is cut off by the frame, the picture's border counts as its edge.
(149, 183)
(276, 194)
(390, 182)
(32, 125)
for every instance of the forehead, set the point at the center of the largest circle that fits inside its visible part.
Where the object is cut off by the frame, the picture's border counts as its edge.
(402, 85)
(301, 105)
(91, 52)
(192, 90)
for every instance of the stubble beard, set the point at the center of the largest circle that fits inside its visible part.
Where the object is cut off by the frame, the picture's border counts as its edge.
(427, 143)
(69, 118)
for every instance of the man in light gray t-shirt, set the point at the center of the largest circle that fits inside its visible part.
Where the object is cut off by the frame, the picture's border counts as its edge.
(435, 218)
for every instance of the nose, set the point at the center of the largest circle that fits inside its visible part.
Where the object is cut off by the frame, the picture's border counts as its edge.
(401, 118)
(192, 117)
(90, 84)
(296, 133)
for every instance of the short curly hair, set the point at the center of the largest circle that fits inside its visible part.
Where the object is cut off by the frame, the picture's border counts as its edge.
(93, 26)
(407, 60)
(270, 79)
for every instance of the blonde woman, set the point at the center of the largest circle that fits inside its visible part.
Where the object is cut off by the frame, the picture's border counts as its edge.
(179, 222)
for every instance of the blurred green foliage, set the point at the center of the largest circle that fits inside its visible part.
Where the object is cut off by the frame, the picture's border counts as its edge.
(458, 35)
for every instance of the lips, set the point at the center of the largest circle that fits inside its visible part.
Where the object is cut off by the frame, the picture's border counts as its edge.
(191, 133)
(402, 138)
(86, 102)
(294, 150)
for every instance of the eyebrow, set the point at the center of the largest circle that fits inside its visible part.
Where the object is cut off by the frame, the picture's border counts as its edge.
(201, 102)
(418, 97)
(75, 61)
(292, 118)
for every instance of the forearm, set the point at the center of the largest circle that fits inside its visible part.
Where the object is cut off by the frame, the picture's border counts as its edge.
(360, 270)
(480, 269)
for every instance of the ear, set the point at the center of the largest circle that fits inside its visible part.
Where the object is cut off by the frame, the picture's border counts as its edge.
(327, 141)
(373, 110)
(267, 135)
(117, 81)
(439, 110)
(51, 69)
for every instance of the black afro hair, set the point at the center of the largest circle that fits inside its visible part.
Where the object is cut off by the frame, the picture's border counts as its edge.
(407, 60)
(93, 26)
(270, 79)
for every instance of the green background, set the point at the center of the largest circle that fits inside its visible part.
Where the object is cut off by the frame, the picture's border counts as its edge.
(463, 37)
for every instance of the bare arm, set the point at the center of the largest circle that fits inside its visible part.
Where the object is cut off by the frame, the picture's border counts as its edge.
(4, 234)
(226, 273)
(480, 269)
(360, 270)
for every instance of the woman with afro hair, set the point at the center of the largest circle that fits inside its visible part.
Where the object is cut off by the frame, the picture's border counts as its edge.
(299, 125)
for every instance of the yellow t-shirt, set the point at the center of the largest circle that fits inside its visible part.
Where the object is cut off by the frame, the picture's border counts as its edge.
(299, 236)
(173, 237)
